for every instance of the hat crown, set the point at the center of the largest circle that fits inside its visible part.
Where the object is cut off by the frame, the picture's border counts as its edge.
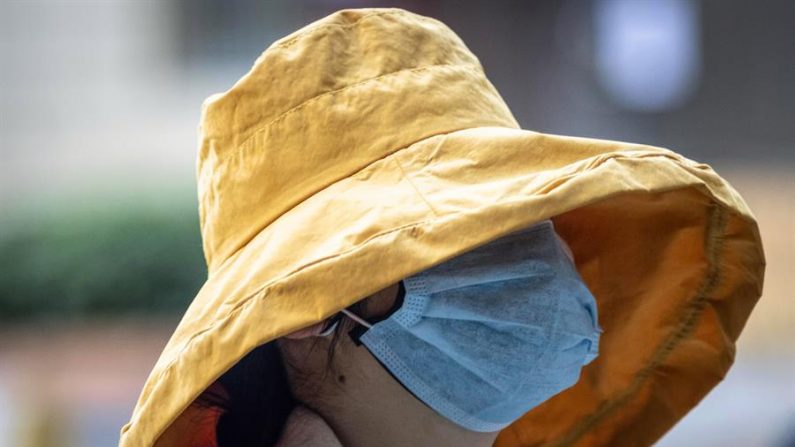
(323, 102)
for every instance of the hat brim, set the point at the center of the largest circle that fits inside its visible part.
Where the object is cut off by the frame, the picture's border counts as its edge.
(668, 248)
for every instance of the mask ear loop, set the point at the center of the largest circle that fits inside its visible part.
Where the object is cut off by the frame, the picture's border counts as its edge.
(356, 318)
(358, 330)
(329, 330)
(332, 324)
(365, 325)
(336, 320)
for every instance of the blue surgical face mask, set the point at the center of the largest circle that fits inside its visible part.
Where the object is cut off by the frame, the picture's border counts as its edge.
(484, 337)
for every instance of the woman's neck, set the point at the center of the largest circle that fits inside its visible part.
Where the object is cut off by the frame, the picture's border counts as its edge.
(365, 406)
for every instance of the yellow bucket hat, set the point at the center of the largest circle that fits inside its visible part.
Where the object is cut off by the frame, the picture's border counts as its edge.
(369, 145)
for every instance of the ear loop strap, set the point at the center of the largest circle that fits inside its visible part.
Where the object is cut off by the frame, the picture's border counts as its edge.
(364, 325)
(356, 332)
(357, 318)
(331, 325)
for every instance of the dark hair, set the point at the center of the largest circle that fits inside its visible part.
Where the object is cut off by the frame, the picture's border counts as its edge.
(255, 397)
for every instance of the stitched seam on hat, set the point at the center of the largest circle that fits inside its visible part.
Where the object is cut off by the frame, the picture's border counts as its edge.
(693, 310)
(289, 42)
(260, 129)
(406, 177)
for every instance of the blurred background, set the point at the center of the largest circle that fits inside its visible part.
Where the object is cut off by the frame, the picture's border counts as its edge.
(99, 236)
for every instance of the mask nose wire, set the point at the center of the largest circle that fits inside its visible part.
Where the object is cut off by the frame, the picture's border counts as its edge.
(356, 318)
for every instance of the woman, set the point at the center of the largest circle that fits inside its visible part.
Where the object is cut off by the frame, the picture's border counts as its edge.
(370, 395)
(393, 261)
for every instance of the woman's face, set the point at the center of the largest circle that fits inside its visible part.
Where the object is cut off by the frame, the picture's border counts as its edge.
(359, 400)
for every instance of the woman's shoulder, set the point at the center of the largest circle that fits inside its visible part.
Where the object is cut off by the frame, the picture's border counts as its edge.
(306, 427)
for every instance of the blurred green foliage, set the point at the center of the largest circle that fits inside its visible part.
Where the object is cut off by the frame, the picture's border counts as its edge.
(113, 261)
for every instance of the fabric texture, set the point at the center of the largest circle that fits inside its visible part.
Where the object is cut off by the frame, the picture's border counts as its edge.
(369, 145)
(484, 337)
